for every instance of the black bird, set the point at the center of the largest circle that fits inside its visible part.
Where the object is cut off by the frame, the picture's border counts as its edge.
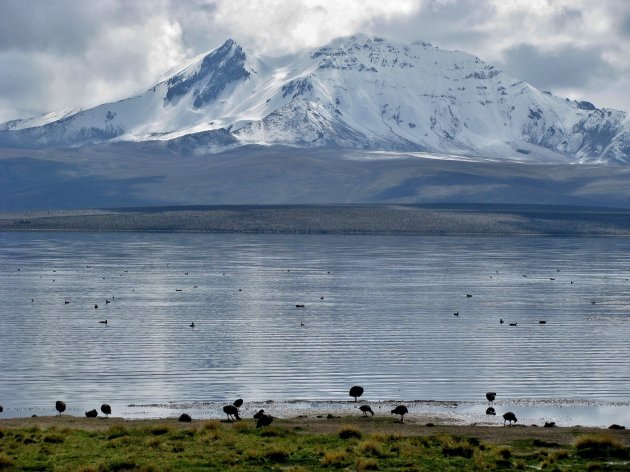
(263, 419)
(456, 313)
(95, 306)
(468, 295)
(299, 306)
(366, 409)
(104, 321)
(192, 325)
(1, 409)
(185, 418)
(231, 411)
(238, 403)
(91, 414)
(509, 416)
(356, 392)
(512, 324)
(106, 409)
(501, 321)
(491, 396)
(60, 407)
(400, 410)
(542, 322)
(490, 411)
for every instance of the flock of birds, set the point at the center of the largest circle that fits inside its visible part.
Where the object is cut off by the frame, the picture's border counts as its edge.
(263, 419)
(232, 411)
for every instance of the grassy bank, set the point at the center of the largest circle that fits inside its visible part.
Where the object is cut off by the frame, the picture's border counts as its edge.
(79, 444)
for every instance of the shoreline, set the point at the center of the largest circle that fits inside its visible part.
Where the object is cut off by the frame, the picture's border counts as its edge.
(562, 412)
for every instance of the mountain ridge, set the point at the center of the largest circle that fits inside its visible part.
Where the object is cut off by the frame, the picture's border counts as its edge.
(357, 92)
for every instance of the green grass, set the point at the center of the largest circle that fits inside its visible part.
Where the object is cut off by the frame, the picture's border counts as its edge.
(212, 445)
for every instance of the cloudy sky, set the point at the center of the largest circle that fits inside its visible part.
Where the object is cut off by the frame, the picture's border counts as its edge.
(60, 54)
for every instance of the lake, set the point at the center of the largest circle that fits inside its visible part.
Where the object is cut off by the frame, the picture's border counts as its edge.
(378, 312)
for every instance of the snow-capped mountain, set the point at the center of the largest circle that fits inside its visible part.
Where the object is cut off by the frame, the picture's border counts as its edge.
(357, 92)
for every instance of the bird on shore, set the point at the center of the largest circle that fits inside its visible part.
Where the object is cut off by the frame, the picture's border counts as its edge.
(366, 409)
(263, 419)
(232, 412)
(106, 409)
(91, 414)
(491, 411)
(1, 408)
(491, 396)
(400, 410)
(509, 416)
(356, 392)
(238, 403)
(60, 407)
(185, 418)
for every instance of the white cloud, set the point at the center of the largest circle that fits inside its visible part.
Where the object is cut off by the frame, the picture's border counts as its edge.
(57, 54)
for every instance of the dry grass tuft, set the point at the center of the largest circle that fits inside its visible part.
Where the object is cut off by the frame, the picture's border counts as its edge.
(335, 458)
(366, 464)
(5, 461)
(211, 425)
(600, 445)
(348, 432)
(278, 454)
(371, 447)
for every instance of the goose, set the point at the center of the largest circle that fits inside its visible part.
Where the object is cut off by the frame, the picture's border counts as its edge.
(231, 411)
(509, 416)
(60, 407)
(356, 392)
(106, 409)
(366, 409)
(400, 410)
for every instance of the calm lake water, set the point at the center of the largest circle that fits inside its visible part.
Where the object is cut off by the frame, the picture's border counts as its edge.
(378, 312)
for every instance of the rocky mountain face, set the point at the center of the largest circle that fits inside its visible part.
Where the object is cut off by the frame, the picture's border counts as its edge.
(360, 92)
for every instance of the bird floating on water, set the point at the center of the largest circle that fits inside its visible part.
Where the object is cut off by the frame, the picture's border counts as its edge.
(103, 321)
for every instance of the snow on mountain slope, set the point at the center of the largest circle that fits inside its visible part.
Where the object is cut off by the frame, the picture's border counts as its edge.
(357, 92)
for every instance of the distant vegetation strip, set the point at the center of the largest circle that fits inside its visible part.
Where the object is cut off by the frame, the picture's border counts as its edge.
(342, 219)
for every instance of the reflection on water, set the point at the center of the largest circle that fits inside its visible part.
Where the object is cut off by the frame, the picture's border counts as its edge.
(379, 312)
